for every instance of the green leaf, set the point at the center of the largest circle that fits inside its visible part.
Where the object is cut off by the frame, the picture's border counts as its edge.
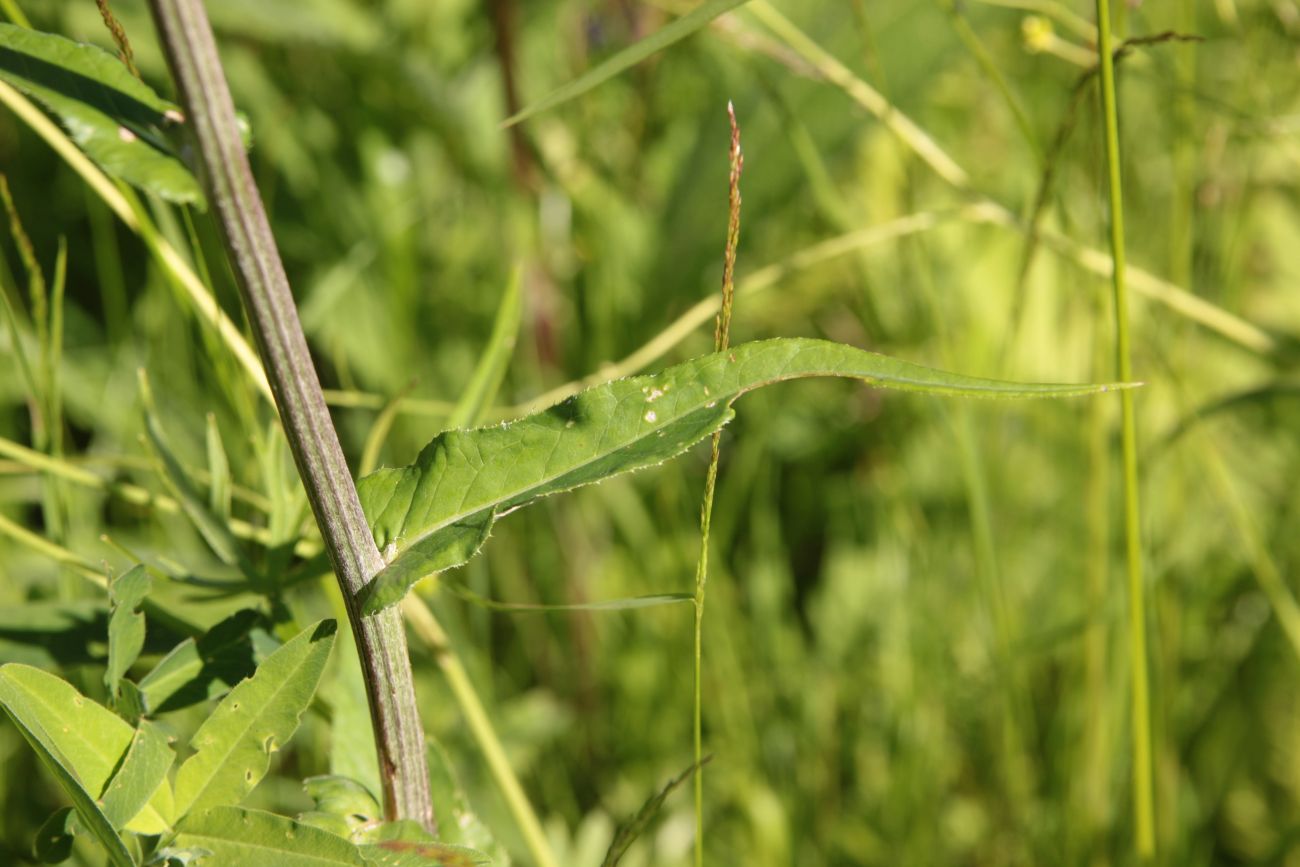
(114, 117)
(626, 604)
(141, 779)
(678, 30)
(233, 746)
(253, 838)
(77, 740)
(334, 793)
(407, 853)
(196, 671)
(634, 827)
(125, 624)
(437, 512)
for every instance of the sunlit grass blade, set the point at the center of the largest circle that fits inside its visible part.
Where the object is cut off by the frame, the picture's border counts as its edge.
(678, 30)
(436, 513)
(219, 488)
(482, 387)
(479, 722)
(862, 93)
(928, 150)
(629, 604)
(378, 434)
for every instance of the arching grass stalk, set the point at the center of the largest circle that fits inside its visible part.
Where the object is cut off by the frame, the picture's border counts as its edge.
(721, 338)
(1143, 797)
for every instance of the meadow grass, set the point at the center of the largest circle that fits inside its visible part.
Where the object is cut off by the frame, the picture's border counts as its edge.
(925, 623)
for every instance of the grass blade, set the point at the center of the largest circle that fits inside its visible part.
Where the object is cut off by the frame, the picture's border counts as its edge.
(634, 827)
(678, 30)
(219, 487)
(483, 385)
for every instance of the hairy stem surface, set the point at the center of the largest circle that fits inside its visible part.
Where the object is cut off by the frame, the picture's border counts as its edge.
(191, 52)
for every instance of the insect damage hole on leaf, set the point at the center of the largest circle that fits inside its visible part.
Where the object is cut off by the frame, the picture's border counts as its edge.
(438, 512)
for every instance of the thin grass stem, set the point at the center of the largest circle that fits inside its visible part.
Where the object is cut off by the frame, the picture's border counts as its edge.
(1143, 788)
(721, 339)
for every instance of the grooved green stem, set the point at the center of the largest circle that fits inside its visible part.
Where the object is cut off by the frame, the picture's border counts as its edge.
(1143, 795)
(191, 52)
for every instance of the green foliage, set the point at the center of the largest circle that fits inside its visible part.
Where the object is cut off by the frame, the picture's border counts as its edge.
(115, 118)
(81, 744)
(233, 747)
(236, 835)
(125, 624)
(436, 513)
(637, 825)
(697, 18)
(915, 652)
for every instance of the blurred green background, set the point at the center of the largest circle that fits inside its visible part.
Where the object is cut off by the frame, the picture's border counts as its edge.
(915, 649)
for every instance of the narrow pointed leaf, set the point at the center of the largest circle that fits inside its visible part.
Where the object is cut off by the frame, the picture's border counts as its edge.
(678, 30)
(634, 827)
(626, 604)
(436, 513)
(77, 740)
(218, 473)
(233, 746)
(125, 624)
(113, 116)
(141, 779)
(214, 531)
(253, 838)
